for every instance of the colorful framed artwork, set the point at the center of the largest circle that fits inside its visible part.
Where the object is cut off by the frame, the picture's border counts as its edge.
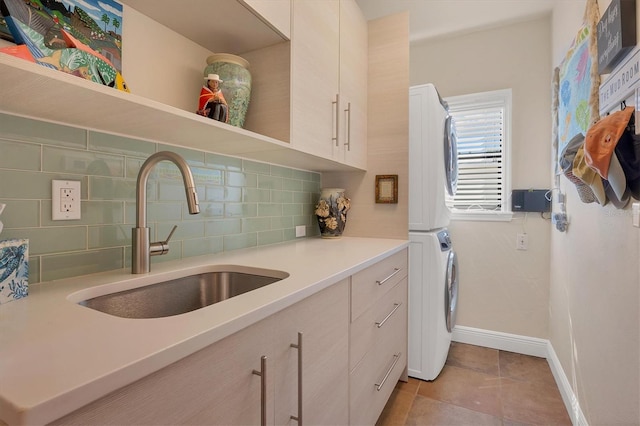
(387, 189)
(58, 27)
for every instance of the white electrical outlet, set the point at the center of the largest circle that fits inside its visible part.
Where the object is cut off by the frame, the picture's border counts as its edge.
(301, 231)
(522, 241)
(635, 208)
(65, 199)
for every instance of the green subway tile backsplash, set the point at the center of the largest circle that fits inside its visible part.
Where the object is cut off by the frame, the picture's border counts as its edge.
(255, 167)
(223, 227)
(64, 160)
(240, 241)
(223, 162)
(193, 157)
(20, 155)
(27, 130)
(21, 213)
(200, 246)
(118, 144)
(244, 203)
(66, 265)
(270, 237)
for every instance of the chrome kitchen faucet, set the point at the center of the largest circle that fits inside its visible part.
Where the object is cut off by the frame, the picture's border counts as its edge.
(142, 249)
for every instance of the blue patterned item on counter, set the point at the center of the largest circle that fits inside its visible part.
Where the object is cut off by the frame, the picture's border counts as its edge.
(14, 269)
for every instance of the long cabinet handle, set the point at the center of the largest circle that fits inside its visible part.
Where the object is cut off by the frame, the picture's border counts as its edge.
(337, 126)
(381, 323)
(298, 346)
(263, 389)
(395, 271)
(386, 376)
(348, 132)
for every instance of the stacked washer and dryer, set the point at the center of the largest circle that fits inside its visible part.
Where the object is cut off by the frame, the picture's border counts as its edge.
(433, 264)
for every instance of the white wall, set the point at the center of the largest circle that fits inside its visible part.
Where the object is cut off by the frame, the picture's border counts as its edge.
(501, 288)
(594, 325)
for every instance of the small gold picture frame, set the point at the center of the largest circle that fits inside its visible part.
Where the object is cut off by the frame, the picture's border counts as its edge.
(387, 189)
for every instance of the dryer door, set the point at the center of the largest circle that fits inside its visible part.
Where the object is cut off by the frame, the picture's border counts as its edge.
(450, 155)
(451, 291)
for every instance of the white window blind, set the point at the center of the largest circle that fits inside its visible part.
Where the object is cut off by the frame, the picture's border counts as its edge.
(482, 124)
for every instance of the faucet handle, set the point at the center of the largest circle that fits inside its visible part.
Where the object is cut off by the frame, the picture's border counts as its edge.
(171, 233)
(162, 247)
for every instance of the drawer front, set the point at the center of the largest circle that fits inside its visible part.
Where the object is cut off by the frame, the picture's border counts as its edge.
(369, 285)
(369, 391)
(388, 314)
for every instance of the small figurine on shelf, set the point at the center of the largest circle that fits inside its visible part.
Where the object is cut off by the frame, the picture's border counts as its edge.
(212, 103)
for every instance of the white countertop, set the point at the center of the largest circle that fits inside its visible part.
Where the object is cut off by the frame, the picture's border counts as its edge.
(56, 356)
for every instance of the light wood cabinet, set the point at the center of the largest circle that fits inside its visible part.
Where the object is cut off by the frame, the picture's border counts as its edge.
(315, 44)
(378, 344)
(329, 80)
(323, 321)
(217, 385)
(353, 83)
(212, 386)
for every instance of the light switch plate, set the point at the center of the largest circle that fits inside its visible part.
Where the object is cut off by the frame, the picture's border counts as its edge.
(65, 200)
(635, 207)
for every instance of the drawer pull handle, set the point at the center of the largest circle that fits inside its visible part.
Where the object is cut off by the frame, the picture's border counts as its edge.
(263, 389)
(386, 376)
(395, 271)
(381, 323)
(298, 346)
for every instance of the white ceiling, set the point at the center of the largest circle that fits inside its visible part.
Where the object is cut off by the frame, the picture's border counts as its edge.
(439, 18)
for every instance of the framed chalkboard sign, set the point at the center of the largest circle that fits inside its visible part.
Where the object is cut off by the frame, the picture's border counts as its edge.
(616, 34)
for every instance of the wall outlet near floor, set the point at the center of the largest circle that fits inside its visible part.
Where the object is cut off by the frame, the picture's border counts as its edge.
(522, 242)
(301, 231)
(65, 199)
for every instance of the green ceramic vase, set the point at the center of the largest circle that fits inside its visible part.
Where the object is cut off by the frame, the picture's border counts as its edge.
(236, 83)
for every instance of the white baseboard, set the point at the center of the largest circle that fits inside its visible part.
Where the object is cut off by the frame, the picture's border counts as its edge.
(527, 346)
(502, 341)
(569, 398)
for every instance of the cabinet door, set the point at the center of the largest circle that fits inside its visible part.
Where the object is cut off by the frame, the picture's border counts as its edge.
(353, 83)
(323, 320)
(212, 386)
(314, 76)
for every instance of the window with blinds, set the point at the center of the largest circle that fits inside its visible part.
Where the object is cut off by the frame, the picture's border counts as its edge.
(482, 125)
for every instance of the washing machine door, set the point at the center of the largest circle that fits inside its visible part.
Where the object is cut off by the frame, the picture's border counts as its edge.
(451, 291)
(450, 155)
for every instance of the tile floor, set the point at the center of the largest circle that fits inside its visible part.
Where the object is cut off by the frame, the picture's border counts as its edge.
(480, 386)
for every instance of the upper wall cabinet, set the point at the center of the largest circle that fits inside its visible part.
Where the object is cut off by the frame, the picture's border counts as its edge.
(315, 58)
(329, 80)
(164, 55)
(354, 57)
